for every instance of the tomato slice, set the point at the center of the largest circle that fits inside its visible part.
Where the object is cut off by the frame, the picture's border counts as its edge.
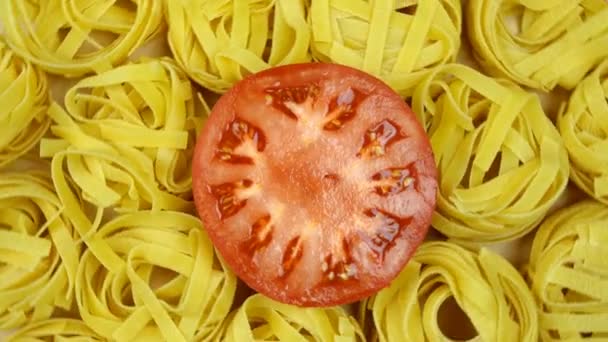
(316, 183)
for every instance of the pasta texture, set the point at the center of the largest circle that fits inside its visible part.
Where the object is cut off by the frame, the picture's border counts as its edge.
(501, 162)
(583, 125)
(485, 286)
(539, 43)
(56, 330)
(122, 296)
(219, 42)
(76, 37)
(262, 319)
(24, 99)
(568, 273)
(398, 41)
(38, 250)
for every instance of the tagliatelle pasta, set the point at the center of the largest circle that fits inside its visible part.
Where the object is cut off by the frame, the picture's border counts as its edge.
(220, 42)
(24, 97)
(487, 288)
(568, 273)
(583, 124)
(262, 319)
(76, 37)
(501, 162)
(38, 250)
(398, 41)
(121, 296)
(56, 330)
(539, 43)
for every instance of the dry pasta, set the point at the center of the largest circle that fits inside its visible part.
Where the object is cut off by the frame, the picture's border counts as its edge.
(56, 330)
(219, 42)
(501, 162)
(487, 288)
(24, 97)
(539, 43)
(584, 128)
(398, 41)
(568, 274)
(76, 37)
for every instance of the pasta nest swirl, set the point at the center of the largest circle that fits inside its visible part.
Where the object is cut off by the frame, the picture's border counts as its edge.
(220, 42)
(76, 37)
(583, 124)
(38, 250)
(397, 41)
(539, 44)
(56, 330)
(151, 276)
(24, 98)
(262, 319)
(486, 287)
(127, 137)
(501, 162)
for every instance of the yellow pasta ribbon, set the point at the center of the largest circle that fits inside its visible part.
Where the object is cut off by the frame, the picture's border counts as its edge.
(56, 330)
(487, 288)
(153, 276)
(76, 37)
(539, 43)
(501, 162)
(24, 97)
(262, 319)
(584, 128)
(127, 138)
(398, 41)
(38, 250)
(219, 42)
(568, 275)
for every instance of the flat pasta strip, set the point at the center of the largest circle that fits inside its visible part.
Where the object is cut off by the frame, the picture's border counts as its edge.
(568, 273)
(486, 287)
(539, 43)
(24, 98)
(38, 250)
(262, 319)
(220, 42)
(77, 37)
(583, 124)
(501, 162)
(398, 41)
(56, 329)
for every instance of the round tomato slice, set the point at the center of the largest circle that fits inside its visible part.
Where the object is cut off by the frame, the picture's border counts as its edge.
(315, 182)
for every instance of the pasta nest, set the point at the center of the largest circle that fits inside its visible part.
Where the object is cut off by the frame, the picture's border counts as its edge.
(150, 276)
(485, 286)
(397, 41)
(127, 138)
(220, 42)
(262, 319)
(539, 44)
(568, 274)
(584, 128)
(24, 98)
(38, 250)
(56, 330)
(501, 162)
(76, 37)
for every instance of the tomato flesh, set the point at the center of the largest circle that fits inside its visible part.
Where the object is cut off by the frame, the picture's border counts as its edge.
(315, 182)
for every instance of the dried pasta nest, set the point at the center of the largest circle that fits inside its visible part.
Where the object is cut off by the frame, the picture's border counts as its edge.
(501, 162)
(489, 291)
(583, 124)
(568, 273)
(539, 44)
(38, 250)
(151, 276)
(127, 138)
(76, 37)
(24, 99)
(56, 330)
(398, 41)
(220, 42)
(262, 319)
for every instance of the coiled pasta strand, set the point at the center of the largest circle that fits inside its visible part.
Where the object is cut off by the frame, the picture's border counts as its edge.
(57, 330)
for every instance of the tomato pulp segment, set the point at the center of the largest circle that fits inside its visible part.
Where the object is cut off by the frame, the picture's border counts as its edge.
(315, 182)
